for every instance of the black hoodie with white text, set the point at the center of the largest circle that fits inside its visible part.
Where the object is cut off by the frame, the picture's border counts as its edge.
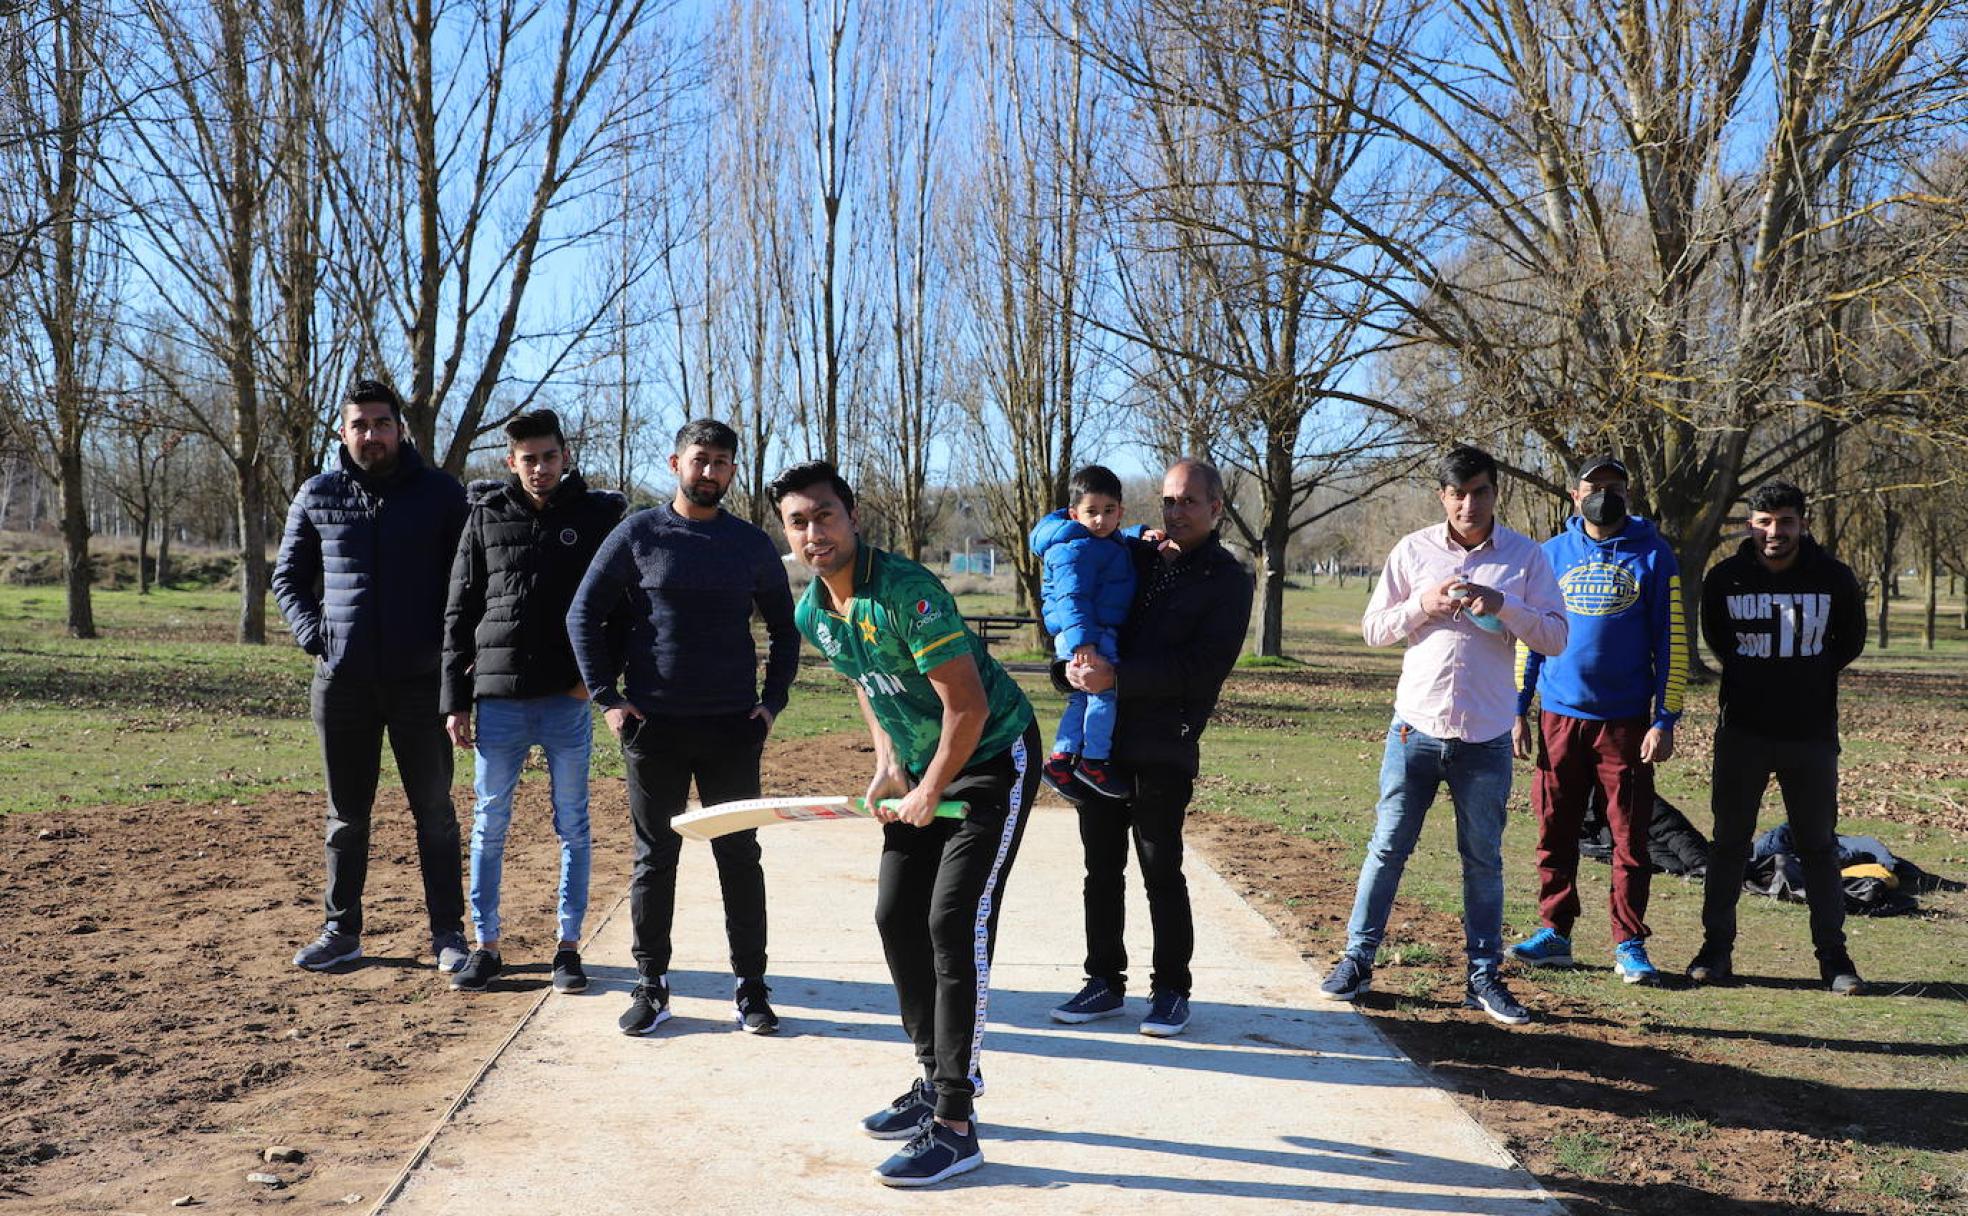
(1782, 638)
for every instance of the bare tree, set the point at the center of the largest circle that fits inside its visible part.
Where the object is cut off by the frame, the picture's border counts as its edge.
(61, 294)
(498, 171)
(1030, 279)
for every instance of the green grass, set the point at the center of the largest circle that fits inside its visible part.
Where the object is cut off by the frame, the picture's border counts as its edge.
(1584, 1154)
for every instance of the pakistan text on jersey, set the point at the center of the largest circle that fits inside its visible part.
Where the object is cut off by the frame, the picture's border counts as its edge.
(1801, 619)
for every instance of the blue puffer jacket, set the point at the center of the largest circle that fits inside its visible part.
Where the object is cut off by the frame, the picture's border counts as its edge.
(365, 565)
(1089, 582)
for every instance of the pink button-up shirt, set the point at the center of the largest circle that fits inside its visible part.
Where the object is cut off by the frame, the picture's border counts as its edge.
(1458, 679)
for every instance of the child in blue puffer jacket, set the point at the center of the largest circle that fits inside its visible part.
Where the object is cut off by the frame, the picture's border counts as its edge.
(1088, 588)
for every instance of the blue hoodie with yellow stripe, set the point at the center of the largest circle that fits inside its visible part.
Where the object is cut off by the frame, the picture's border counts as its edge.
(1628, 652)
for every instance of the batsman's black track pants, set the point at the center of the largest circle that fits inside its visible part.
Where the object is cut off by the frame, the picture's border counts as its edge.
(661, 755)
(941, 889)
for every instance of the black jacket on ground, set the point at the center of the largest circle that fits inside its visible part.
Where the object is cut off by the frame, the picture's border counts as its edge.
(505, 627)
(1782, 639)
(1182, 637)
(361, 572)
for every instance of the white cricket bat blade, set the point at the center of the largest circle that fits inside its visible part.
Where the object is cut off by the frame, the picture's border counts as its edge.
(725, 817)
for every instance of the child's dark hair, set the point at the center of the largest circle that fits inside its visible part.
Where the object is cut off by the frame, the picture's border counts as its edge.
(535, 424)
(1095, 479)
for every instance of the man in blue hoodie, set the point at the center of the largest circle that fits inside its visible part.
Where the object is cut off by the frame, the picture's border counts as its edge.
(1610, 701)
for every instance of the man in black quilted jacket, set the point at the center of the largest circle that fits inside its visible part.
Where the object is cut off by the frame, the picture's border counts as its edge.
(1192, 605)
(361, 580)
(527, 542)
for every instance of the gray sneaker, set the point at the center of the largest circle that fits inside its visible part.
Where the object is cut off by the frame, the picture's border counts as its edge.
(331, 949)
(451, 953)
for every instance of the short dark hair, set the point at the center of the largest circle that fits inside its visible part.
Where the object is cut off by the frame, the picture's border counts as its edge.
(366, 391)
(1095, 479)
(706, 433)
(1465, 463)
(535, 424)
(1212, 476)
(805, 476)
(1774, 496)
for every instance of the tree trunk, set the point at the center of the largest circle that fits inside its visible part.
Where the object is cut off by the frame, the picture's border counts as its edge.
(1889, 539)
(1933, 580)
(76, 565)
(252, 553)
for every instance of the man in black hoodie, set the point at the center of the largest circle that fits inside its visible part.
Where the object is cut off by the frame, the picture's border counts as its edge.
(1784, 618)
(361, 580)
(1192, 605)
(526, 545)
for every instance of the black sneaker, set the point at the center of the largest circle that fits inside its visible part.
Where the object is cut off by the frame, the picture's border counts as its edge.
(755, 1016)
(1711, 966)
(1841, 975)
(901, 1118)
(477, 971)
(567, 973)
(331, 949)
(1099, 999)
(1487, 993)
(1347, 980)
(648, 1008)
(1168, 1015)
(934, 1153)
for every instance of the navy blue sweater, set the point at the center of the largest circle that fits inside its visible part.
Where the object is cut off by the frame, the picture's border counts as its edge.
(364, 566)
(689, 588)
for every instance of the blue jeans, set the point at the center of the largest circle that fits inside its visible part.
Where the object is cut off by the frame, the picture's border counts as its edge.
(507, 729)
(1413, 769)
(1087, 726)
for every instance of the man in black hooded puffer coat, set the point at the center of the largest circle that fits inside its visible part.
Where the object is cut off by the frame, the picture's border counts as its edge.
(527, 543)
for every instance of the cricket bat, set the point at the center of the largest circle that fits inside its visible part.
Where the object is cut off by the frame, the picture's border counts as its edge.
(714, 821)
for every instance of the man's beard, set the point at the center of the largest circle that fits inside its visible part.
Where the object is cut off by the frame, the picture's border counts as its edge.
(698, 496)
(374, 458)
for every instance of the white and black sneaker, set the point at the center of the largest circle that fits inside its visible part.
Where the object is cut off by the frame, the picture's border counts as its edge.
(1487, 993)
(567, 973)
(755, 1015)
(477, 971)
(901, 1118)
(648, 1008)
(331, 949)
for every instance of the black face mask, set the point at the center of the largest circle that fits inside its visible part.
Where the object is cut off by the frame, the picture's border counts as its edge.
(1603, 508)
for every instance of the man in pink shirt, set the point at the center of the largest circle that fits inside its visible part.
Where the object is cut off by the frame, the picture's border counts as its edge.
(1460, 596)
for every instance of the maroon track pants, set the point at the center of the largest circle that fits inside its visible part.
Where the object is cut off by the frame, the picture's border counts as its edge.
(1575, 754)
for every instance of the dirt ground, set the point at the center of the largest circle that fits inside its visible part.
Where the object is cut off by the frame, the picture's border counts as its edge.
(157, 1038)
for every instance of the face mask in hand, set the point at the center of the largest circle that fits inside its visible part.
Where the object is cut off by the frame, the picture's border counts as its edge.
(1603, 507)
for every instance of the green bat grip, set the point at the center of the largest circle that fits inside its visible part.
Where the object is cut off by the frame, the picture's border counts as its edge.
(944, 810)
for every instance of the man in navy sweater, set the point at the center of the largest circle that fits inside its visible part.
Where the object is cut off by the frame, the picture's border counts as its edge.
(680, 690)
(376, 536)
(1609, 704)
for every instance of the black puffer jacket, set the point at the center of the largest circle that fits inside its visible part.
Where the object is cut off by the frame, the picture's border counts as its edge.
(361, 572)
(1181, 639)
(505, 628)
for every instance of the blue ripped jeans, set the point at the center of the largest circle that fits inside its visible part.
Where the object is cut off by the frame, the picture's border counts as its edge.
(1413, 768)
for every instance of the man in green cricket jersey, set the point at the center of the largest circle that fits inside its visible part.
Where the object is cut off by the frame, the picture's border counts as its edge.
(948, 725)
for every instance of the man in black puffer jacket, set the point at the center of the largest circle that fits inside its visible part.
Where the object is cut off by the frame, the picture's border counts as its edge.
(527, 543)
(361, 580)
(1192, 606)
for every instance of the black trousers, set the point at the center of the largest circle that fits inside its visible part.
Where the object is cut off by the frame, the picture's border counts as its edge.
(1807, 772)
(662, 755)
(1153, 818)
(351, 716)
(941, 888)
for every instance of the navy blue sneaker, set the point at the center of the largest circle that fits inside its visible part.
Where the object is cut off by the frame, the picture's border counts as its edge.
(934, 1153)
(1168, 1015)
(1487, 993)
(1097, 1000)
(1347, 980)
(902, 1118)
